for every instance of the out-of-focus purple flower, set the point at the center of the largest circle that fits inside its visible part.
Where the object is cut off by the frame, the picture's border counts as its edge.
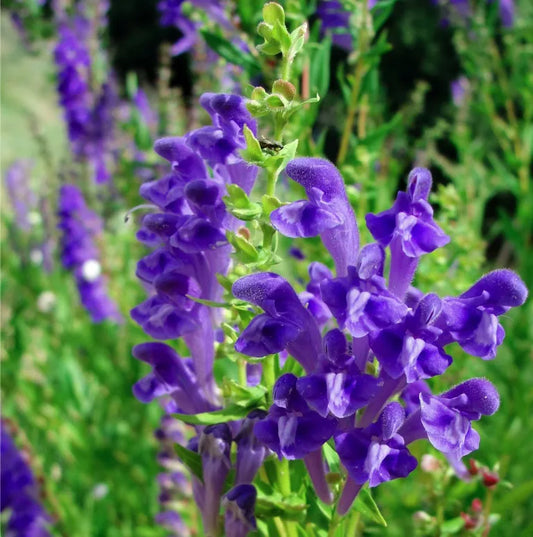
(459, 88)
(20, 492)
(507, 13)
(335, 20)
(172, 15)
(88, 113)
(327, 213)
(79, 226)
(22, 197)
(239, 507)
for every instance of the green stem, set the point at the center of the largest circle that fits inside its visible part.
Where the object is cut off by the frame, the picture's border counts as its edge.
(284, 482)
(285, 69)
(241, 364)
(269, 373)
(353, 525)
(360, 71)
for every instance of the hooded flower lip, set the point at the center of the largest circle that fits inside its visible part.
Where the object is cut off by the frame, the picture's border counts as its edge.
(292, 429)
(285, 323)
(326, 213)
(377, 453)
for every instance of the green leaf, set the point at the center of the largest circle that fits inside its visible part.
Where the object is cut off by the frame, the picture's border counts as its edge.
(252, 153)
(365, 504)
(230, 52)
(230, 413)
(191, 460)
(319, 67)
(452, 526)
(272, 13)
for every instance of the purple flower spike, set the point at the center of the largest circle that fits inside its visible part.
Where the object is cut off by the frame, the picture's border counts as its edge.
(250, 451)
(214, 447)
(507, 13)
(239, 506)
(79, 226)
(409, 228)
(285, 324)
(327, 213)
(377, 453)
(292, 429)
(20, 492)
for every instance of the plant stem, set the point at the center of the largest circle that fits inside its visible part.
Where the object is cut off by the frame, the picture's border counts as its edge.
(284, 482)
(359, 73)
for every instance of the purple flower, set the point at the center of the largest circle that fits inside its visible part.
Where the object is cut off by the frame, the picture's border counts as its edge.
(472, 318)
(170, 375)
(408, 227)
(327, 213)
(292, 429)
(377, 453)
(79, 226)
(445, 420)
(250, 451)
(239, 506)
(20, 492)
(285, 323)
(360, 301)
(408, 348)
(214, 447)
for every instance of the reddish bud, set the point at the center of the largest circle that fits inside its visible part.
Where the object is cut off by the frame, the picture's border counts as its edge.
(490, 479)
(477, 505)
(470, 523)
(473, 468)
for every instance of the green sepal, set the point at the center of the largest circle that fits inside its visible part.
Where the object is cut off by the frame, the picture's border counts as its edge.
(246, 251)
(246, 396)
(271, 503)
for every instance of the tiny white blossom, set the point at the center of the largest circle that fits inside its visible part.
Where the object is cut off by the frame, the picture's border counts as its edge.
(46, 301)
(91, 270)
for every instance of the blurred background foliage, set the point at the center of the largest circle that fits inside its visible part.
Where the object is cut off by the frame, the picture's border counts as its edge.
(66, 383)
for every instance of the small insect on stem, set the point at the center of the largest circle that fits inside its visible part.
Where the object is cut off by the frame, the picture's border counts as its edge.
(270, 145)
